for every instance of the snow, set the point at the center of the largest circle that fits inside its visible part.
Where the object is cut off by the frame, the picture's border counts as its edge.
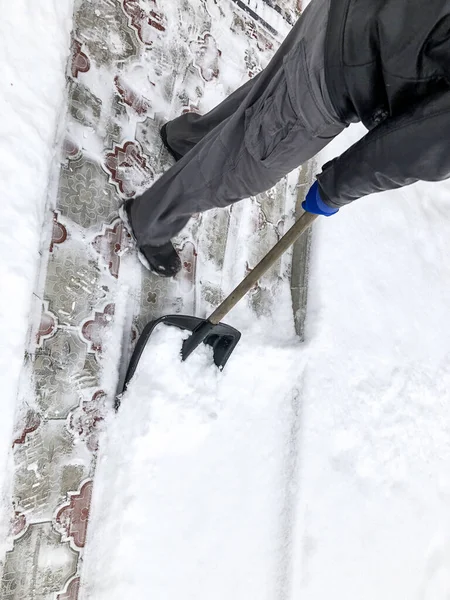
(199, 459)
(375, 444)
(34, 44)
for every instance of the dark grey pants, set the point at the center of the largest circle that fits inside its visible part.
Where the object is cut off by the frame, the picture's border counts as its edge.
(265, 129)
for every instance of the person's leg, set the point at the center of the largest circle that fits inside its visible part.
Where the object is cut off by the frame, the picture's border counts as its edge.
(185, 131)
(282, 121)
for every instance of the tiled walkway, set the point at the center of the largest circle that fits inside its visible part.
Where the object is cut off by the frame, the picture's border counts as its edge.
(134, 65)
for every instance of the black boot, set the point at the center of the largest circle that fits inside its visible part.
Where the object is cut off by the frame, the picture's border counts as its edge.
(163, 134)
(162, 260)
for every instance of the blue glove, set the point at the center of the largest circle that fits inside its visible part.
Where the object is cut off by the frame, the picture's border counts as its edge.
(313, 203)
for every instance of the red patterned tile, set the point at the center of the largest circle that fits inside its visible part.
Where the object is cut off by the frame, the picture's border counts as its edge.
(73, 518)
(19, 524)
(72, 590)
(94, 329)
(47, 326)
(131, 98)
(128, 168)
(206, 55)
(71, 149)
(111, 244)
(59, 232)
(148, 24)
(191, 108)
(30, 424)
(80, 61)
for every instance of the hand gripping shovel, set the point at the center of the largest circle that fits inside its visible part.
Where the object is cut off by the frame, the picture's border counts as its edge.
(221, 337)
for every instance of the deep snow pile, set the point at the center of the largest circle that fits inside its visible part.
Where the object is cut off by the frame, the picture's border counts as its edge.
(193, 491)
(373, 510)
(34, 44)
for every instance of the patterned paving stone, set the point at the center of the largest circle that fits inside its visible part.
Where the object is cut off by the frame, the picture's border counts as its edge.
(103, 27)
(84, 106)
(111, 244)
(63, 370)
(26, 575)
(72, 518)
(72, 288)
(47, 469)
(71, 591)
(84, 194)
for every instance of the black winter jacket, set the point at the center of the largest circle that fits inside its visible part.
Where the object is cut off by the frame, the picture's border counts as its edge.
(388, 65)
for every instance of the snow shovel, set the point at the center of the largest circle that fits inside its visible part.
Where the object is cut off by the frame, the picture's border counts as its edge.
(221, 337)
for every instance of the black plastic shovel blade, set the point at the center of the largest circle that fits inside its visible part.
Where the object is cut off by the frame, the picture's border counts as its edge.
(221, 337)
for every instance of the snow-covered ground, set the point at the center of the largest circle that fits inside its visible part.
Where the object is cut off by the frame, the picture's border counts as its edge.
(373, 507)
(34, 44)
(199, 461)
(375, 447)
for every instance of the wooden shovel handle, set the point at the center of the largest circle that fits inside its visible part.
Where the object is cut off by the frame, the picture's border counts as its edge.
(270, 258)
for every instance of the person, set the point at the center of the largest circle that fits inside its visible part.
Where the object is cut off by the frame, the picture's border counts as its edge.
(384, 63)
